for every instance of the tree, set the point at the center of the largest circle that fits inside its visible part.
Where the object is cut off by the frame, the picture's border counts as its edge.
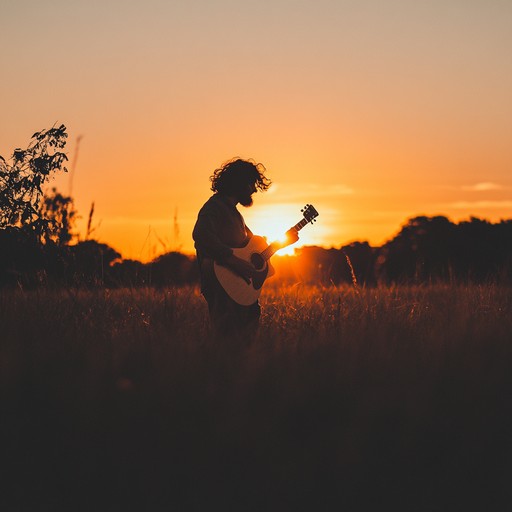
(423, 250)
(22, 180)
(60, 214)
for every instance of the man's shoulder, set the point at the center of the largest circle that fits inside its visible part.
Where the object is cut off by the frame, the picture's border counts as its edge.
(214, 204)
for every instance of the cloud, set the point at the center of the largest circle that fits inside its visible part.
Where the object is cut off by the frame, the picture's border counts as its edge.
(482, 187)
(469, 205)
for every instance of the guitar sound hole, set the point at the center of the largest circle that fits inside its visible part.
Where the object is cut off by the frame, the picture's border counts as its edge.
(257, 261)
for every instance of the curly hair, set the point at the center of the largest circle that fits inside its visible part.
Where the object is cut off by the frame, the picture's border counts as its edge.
(237, 172)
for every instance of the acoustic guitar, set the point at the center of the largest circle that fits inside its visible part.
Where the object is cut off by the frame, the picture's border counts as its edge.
(257, 252)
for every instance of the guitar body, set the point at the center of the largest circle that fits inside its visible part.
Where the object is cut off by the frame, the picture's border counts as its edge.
(237, 287)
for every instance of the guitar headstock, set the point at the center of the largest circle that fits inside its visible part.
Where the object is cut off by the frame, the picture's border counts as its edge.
(309, 213)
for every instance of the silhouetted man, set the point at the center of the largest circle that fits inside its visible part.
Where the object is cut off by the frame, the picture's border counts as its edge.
(218, 229)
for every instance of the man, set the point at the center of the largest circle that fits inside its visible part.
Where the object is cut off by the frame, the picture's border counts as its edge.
(218, 229)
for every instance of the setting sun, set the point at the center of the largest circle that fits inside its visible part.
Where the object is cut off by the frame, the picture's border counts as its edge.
(274, 220)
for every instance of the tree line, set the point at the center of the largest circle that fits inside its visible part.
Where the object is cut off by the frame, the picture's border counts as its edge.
(425, 250)
(38, 246)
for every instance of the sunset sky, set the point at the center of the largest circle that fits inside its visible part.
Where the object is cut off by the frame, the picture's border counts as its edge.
(372, 110)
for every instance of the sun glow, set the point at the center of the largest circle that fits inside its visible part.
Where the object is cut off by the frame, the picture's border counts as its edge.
(278, 234)
(274, 221)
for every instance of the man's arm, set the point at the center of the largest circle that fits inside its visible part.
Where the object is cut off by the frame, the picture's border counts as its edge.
(241, 267)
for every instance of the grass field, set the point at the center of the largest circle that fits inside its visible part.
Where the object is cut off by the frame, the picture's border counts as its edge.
(348, 399)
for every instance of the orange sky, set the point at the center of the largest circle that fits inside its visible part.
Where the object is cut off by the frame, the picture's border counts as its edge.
(372, 111)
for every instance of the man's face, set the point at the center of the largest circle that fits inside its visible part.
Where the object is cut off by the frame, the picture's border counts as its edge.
(246, 192)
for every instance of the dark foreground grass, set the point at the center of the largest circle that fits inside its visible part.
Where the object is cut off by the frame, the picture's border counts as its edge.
(349, 399)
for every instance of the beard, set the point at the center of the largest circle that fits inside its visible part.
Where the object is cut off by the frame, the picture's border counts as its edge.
(245, 200)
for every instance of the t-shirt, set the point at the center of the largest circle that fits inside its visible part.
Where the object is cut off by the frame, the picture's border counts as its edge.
(218, 228)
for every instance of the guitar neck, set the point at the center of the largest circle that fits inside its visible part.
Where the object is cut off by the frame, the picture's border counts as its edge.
(300, 224)
(270, 251)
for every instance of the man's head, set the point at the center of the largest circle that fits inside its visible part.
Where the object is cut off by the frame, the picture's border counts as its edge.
(240, 179)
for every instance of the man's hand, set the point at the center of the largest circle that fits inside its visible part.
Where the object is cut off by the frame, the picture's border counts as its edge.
(292, 236)
(241, 267)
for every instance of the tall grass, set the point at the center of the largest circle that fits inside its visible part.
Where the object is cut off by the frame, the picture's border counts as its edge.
(348, 398)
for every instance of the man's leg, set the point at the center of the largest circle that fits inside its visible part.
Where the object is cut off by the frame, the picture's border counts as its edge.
(229, 319)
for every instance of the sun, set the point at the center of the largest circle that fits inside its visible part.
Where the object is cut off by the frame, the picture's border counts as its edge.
(278, 234)
(274, 221)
